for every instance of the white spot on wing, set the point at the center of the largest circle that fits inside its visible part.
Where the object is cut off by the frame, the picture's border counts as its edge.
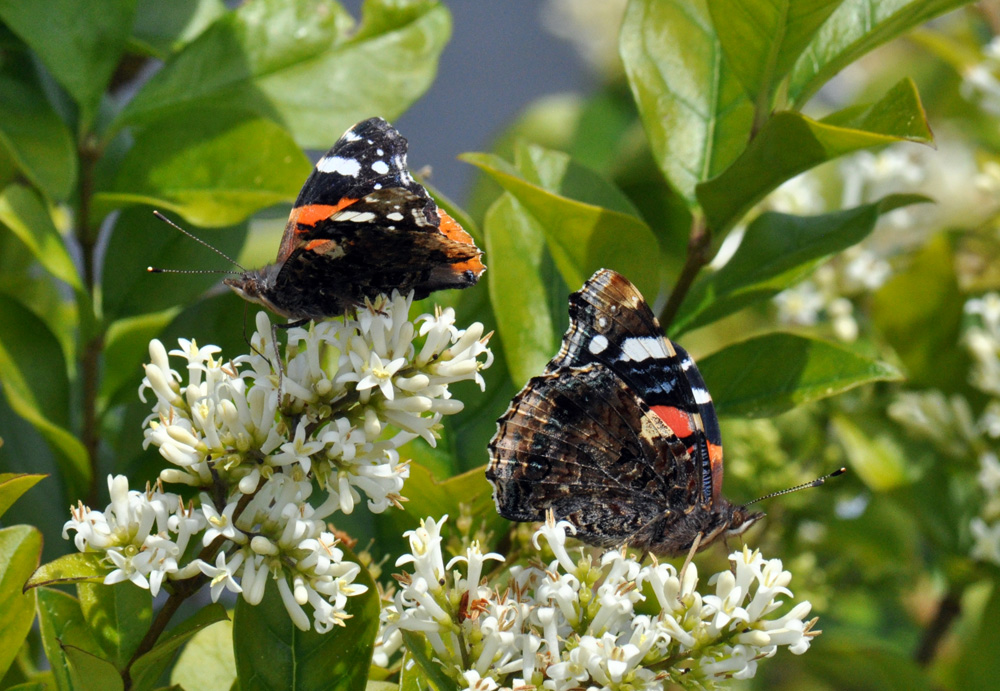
(639, 349)
(380, 167)
(356, 216)
(597, 344)
(701, 396)
(348, 167)
(394, 216)
(350, 136)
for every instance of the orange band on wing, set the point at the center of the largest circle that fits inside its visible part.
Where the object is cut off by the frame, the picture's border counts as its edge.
(677, 420)
(715, 457)
(450, 227)
(311, 214)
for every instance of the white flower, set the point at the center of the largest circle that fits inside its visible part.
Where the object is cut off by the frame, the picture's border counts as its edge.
(223, 574)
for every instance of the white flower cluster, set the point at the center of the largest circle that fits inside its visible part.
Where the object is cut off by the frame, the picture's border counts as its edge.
(573, 624)
(258, 442)
(982, 339)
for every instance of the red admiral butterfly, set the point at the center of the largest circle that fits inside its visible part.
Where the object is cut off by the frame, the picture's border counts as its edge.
(361, 227)
(619, 436)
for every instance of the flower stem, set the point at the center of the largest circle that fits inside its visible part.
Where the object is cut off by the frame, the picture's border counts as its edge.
(948, 610)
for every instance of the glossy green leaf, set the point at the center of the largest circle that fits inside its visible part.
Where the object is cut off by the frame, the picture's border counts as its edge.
(207, 662)
(36, 385)
(140, 240)
(582, 237)
(126, 349)
(878, 460)
(770, 374)
(148, 668)
(61, 623)
(791, 143)
(25, 214)
(36, 138)
(164, 27)
(20, 550)
(855, 28)
(71, 568)
(695, 112)
(777, 251)
(12, 486)
(301, 63)
(761, 39)
(919, 313)
(271, 653)
(214, 168)
(119, 616)
(89, 671)
(515, 244)
(79, 43)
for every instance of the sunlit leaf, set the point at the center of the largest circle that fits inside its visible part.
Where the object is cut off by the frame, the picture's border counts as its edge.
(695, 112)
(770, 374)
(301, 63)
(791, 143)
(20, 550)
(207, 662)
(12, 486)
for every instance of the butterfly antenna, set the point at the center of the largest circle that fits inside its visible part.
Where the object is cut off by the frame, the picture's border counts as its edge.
(200, 242)
(815, 483)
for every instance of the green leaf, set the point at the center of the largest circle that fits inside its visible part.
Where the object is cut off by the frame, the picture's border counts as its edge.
(777, 251)
(126, 349)
(582, 237)
(979, 660)
(877, 459)
(429, 497)
(12, 486)
(695, 112)
(919, 312)
(61, 623)
(770, 374)
(299, 63)
(36, 138)
(36, 385)
(162, 28)
(515, 244)
(140, 240)
(271, 653)
(89, 671)
(215, 168)
(70, 568)
(20, 550)
(865, 664)
(207, 662)
(119, 616)
(855, 28)
(791, 143)
(25, 214)
(148, 668)
(79, 43)
(430, 671)
(761, 39)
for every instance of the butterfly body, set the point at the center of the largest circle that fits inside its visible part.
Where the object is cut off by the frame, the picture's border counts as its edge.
(361, 227)
(619, 436)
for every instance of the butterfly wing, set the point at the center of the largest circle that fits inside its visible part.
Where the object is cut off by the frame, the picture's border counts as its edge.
(362, 226)
(580, 442)
(611, 324)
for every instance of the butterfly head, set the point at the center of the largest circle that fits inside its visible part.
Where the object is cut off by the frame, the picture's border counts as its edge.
(257, 285)
(740, 520)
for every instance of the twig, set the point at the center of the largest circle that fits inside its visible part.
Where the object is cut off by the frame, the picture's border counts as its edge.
(699, 243)
(948, 610)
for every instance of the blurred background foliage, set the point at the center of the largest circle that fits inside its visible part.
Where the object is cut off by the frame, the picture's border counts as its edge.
(772, 186)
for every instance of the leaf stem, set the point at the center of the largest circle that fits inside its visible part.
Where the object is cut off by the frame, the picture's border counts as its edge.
(948, 610)
(699, 244)
(92, 343)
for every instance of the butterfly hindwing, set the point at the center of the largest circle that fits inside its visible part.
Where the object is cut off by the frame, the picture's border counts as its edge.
(580, 441)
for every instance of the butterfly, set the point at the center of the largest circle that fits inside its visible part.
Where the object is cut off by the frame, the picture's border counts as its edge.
(618, 436)
(361, 227)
